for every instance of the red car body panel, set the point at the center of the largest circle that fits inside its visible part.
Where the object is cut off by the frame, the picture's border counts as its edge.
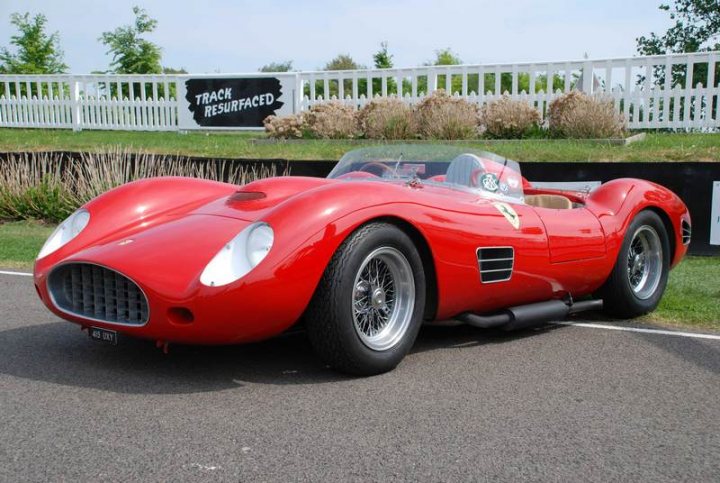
(161, 233)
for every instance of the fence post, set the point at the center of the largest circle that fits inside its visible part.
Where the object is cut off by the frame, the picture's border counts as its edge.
(587, 77)
(297, 99)
(76, 111)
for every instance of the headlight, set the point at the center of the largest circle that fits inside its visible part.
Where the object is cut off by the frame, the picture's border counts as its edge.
(68, 229)
(239, 255)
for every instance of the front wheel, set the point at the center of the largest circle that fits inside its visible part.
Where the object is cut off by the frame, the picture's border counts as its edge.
(368, 307)
(640, 274)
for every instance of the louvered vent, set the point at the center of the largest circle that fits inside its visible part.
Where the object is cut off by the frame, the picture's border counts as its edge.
(496, 263)
(686, 232)
(98, 293)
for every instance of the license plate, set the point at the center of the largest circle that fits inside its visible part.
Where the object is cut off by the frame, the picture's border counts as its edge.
(103, 335)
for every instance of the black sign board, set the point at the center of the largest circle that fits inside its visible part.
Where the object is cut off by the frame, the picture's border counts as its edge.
(233, 102)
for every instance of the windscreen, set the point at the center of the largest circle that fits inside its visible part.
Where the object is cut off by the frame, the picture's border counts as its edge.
(455, 167)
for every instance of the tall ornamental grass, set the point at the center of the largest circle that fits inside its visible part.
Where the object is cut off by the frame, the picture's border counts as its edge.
(50, 186)
(578, 115)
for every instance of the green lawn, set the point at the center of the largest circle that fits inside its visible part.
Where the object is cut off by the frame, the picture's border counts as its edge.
(693, 294)
(656, 147)
(691, 299)
(20, 243)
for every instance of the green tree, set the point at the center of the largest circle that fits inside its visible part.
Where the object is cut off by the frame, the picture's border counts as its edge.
(446, 57)
(382, 59)
(171, 88)
(343, 62)
(37, 52)
(173, 71)
(131, 53)
(442, 57)
(340, 62)
(286, 66)
(696, 28)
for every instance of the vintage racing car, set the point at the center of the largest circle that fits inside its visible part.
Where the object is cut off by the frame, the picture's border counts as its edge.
(396, 236)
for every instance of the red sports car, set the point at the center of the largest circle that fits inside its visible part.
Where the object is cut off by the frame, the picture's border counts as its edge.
(395, 236)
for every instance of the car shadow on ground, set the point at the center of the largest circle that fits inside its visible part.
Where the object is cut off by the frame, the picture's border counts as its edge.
(60, 353)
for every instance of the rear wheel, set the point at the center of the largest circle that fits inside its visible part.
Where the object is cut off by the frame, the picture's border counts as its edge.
(368, 307)
(639, 277)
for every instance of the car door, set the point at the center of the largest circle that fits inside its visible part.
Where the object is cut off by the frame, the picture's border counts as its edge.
(573, 234)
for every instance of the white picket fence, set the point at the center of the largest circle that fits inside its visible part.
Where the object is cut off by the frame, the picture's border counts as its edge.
(652, 92)
(136, 103)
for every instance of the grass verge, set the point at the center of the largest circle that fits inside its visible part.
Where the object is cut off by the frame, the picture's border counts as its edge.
(691, 299)
(655, 147)
(692, 295)
(20, 243)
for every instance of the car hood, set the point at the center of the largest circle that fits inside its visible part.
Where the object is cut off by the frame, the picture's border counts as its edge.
(255, 200)
(167, 257)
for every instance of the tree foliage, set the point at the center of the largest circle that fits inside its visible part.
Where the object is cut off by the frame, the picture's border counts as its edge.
(131, 53)
(343, 62)
(36, 51)
(445, 57)
(382, 59)
(173, 71)
(696, 28)
(286, 66)
(340, 62)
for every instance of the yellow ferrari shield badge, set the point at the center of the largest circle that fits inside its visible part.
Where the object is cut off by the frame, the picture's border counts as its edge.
(509, 213)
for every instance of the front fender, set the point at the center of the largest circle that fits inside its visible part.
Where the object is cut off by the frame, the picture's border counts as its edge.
(139, 205)
(310, 228)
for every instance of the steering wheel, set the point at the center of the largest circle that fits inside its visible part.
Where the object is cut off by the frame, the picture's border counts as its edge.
(474, 176)
(375, 164)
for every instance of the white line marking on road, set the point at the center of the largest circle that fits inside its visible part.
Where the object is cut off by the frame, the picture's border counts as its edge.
(18, 274)
(641, 330)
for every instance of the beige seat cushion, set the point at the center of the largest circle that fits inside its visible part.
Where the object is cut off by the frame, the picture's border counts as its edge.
(557, 202)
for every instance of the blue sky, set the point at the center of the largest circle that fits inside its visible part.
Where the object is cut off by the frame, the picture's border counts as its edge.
(241, 36)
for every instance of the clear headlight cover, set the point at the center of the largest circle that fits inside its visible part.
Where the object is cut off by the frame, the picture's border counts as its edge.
(66, 231)
(239, 255)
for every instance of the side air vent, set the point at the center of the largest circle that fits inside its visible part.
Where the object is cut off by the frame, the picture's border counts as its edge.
(496, 263)
(686, 232)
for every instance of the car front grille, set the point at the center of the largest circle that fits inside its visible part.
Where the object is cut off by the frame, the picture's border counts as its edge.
(98, 293)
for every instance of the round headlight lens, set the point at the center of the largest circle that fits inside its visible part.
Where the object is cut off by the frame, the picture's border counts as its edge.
(259, 243)
(66, 231)
(79, 222)
(239, 255)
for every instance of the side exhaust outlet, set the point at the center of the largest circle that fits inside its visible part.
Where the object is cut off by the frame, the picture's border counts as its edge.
(530, 315)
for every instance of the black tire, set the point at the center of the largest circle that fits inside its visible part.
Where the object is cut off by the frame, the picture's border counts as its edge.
(330, 317)
(621, 300)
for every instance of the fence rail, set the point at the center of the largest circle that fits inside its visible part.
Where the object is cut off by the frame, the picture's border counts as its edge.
(678, 91)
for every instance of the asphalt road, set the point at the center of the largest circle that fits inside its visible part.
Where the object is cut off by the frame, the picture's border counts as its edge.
(562, 404)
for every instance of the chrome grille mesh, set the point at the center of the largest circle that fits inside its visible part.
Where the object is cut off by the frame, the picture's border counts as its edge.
(95, 292)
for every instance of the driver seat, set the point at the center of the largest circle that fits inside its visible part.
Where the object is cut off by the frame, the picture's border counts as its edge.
(555, 202)
(461, 169)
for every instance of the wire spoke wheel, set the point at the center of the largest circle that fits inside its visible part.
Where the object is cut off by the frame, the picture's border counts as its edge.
(383, 298)
(645, 262)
